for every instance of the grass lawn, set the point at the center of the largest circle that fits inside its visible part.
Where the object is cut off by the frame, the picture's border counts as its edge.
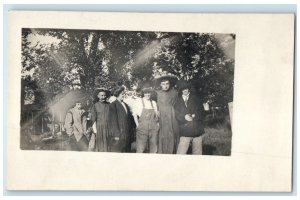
(217, 142)
(217, 138)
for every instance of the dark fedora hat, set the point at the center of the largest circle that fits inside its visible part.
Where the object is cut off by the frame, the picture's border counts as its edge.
(183, 84)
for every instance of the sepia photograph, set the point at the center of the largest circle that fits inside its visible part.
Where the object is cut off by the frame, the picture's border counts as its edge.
(127, 91)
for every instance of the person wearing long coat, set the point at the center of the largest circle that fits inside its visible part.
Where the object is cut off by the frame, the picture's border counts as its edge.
(120, 123)
(189, 113)
(168, 133)
(76, 127)
(100, 115)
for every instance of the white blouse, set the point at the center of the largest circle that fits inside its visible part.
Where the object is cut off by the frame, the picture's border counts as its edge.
(137, 108)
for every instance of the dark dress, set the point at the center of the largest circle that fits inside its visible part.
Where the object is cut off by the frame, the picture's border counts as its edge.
(100, 115)
(120, 126)
(168, 133)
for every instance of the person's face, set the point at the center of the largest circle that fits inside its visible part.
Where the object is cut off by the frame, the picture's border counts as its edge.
(185, 91)
(56, 127)
(165, 85)
(78, 105)
(147, 95)
(102, 96)
(121, 96)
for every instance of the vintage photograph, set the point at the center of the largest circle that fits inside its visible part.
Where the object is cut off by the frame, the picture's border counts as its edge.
(116, 101)
(127, 91)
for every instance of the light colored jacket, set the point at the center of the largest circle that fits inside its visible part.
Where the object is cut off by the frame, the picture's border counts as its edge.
(76, 123)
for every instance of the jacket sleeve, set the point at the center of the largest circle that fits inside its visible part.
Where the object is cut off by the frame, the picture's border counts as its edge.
(84, 122)
(69, 123)
(175, 97)
(199, 114)
(113, 121)
(93, 115)
(179, 112)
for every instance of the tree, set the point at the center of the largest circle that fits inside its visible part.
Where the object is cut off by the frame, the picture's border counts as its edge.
(91, 58)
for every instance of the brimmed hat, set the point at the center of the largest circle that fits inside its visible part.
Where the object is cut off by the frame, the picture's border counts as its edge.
(183, 84)
(172, 78)
(147, 87)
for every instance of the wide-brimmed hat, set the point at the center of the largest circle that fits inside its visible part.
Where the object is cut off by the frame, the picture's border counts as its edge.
(165, 76)
(183, 84)
(147, 87)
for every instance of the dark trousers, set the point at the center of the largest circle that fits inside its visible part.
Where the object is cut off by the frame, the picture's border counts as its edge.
(81, 145)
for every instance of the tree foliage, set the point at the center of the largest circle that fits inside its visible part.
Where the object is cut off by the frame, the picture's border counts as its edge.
(92, 58)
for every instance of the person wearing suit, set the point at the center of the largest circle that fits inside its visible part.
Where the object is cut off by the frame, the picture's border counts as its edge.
(120, 123)
(189, 113)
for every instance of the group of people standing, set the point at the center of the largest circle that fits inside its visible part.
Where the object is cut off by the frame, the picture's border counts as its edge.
(168, 125)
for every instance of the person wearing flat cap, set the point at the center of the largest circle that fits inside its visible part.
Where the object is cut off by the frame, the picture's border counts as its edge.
(76, 127)
(100, 115)
(166, 98)
(146, 118)
(189, 113)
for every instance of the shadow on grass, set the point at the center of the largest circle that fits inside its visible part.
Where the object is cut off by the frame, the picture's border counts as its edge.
(208, 149)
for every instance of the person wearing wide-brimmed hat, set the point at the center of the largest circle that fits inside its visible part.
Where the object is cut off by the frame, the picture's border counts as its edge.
(146, 118)
(166, 98)
(100, 116)
(189, 113)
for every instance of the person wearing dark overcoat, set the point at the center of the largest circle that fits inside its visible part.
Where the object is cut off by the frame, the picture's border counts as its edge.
(100, 116)
(120, 123)
(189, 113)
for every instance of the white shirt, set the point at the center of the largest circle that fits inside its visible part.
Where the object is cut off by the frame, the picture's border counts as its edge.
(130, 102)
(138, 106)
(112, 99)
(185, 98)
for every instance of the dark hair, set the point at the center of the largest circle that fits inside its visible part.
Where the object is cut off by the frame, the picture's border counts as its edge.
(78, 101)
(143, 92)
(97, 91)
(118, 90)
(184, 88)
(171, 81)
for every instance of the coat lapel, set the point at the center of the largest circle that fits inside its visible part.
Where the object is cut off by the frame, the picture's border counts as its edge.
(188, 104)
(121, 107)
